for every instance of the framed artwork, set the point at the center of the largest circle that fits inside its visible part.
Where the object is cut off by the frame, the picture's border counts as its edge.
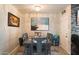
(39, 23)
(13, 20)
(77, 19)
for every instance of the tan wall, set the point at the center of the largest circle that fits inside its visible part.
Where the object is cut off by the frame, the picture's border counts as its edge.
(9, 35)
(53, 23)
(65, 33)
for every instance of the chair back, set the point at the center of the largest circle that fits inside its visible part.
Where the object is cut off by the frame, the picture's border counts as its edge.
(49, 36)
(25, 36)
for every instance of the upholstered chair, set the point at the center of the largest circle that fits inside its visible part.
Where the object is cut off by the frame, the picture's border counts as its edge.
(25, 36)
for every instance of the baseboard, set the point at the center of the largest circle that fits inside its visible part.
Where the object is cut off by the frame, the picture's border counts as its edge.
(14, 51)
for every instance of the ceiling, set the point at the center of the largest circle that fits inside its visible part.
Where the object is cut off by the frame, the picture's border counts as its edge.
(45, 8)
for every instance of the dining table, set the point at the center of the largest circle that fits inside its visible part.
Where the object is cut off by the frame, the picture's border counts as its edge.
(38, 42)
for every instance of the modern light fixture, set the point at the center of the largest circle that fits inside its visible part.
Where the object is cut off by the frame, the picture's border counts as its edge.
(37, 8)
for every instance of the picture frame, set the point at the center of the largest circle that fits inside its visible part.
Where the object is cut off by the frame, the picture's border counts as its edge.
(13, 20)
(40, 23)
(77, 18)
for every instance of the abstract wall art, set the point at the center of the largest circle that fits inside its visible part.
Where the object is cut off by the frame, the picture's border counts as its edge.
(39, 23)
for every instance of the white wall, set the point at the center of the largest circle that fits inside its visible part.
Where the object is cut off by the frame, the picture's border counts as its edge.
(2, 29)
(9, 35)
(65, 32)
(53, 23)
